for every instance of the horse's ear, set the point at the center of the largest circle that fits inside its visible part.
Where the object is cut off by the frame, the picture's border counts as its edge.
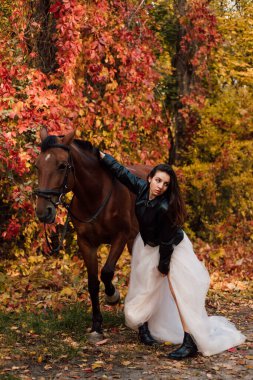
(67, 139)
(43, 133)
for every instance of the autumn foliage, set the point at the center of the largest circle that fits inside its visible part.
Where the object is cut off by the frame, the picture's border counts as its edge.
(200, 38)
(108, 69)
(102, 84)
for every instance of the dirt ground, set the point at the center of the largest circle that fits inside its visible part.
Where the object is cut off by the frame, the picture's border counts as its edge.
(120, 356)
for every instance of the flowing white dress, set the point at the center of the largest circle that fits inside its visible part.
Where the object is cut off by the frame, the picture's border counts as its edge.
(149, 299)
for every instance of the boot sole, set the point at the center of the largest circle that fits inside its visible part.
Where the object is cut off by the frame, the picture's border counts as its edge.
(185, 357)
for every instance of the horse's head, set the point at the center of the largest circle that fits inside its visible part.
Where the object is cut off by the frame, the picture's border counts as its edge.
(54, 167)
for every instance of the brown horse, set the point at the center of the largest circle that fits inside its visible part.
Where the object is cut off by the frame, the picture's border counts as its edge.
(102, 209)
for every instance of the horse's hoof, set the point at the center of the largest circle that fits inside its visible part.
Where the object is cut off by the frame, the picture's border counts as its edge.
(114, 299)
(95, 337)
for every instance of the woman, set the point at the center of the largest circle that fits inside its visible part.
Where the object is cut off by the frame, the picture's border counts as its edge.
(168, 284)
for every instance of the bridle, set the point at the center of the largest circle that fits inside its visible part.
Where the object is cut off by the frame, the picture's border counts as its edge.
(49, 193)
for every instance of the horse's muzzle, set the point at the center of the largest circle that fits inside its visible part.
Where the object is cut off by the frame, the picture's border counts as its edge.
(47, 215)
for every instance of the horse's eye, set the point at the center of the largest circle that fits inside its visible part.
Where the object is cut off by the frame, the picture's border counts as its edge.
(62, 166)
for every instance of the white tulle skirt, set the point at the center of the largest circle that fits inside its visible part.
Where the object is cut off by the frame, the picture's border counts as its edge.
(149, 299)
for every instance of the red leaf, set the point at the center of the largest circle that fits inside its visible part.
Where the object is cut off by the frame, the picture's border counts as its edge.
(233, 349)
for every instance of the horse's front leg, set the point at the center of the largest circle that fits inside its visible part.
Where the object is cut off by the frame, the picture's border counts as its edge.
(107, 272)
(90, 257)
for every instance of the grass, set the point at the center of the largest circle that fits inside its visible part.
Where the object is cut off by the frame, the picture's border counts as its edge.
(50, 343)
(50, 335)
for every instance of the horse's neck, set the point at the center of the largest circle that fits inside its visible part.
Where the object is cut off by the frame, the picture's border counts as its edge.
(91, 180)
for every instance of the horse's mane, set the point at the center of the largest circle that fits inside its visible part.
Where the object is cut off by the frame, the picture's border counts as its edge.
(51, 141)
(87, 145)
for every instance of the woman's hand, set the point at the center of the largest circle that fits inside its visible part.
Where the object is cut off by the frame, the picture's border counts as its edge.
(101, 154)
(162, 274)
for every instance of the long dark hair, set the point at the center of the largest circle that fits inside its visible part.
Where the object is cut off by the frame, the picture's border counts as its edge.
(176, 212)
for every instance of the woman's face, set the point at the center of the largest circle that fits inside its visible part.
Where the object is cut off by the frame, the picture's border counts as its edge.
(158, 184)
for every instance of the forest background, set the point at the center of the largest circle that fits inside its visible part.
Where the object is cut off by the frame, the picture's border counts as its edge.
(147, 81)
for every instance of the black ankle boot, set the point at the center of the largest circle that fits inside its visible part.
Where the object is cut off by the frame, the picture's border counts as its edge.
(145, 336)
(187, 349)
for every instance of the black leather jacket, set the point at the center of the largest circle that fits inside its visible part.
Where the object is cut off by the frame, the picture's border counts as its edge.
(152, 215)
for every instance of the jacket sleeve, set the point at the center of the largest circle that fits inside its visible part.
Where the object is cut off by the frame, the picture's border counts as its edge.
(165, 257)
(132, 182)
(168, 240)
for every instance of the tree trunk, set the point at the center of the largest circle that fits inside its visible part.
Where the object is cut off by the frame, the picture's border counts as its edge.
(40, 31)
(184, 79)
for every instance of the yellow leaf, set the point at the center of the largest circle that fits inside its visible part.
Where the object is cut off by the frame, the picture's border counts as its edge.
(67, 291)
(98, 123)
(216, 255)
(167, 343)
(97, 364)
(40, 359)
(111, 86)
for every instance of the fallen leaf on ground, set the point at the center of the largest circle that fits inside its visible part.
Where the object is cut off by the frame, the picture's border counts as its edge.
(126, 362)
(101, 342)
(233, 349)
(47, 367)
(40, 359)
(88, 369)
(97, 364)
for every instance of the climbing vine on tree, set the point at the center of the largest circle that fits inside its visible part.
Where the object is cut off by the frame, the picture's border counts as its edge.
(99, 78)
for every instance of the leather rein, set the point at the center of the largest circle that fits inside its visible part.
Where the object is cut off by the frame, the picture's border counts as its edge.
(49, 193)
